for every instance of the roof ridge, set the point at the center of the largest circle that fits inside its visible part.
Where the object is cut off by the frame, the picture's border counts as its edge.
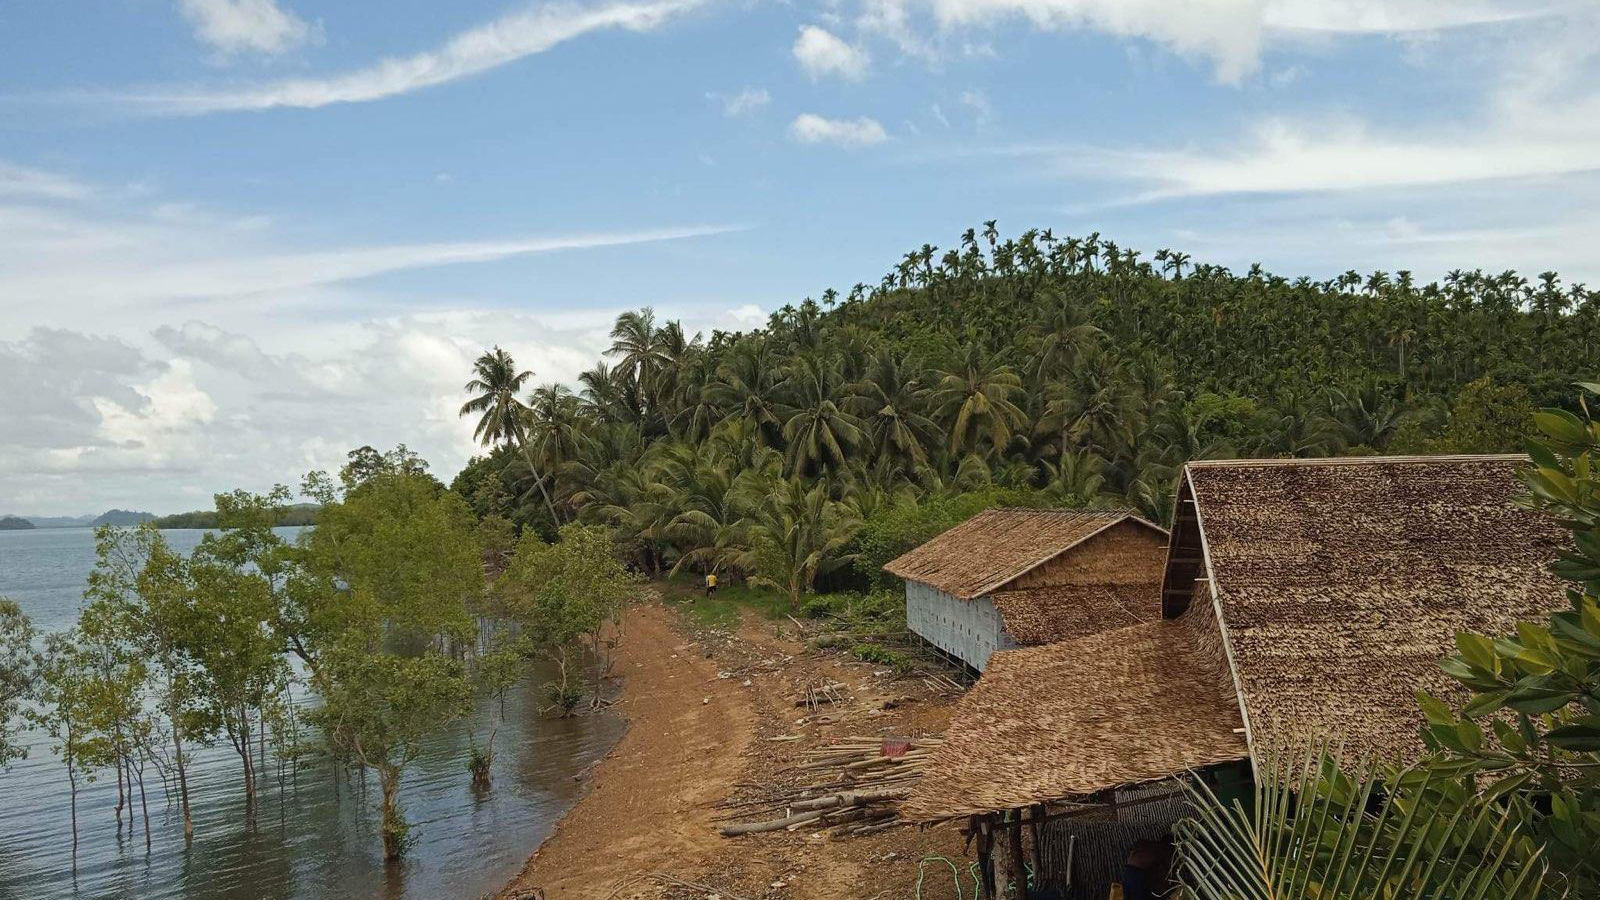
(1354, 460)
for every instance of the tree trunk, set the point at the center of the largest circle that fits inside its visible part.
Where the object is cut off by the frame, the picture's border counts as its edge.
(1009, 880)
(242, 747)
(72, 788)
(394, 826)
(527, 456)
(183, 780)
(144, 806)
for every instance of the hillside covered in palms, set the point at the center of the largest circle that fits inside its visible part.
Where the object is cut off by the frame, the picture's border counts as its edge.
(1033, 370)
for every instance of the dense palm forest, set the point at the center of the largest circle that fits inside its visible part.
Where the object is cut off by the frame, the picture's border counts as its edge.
(1030, 370)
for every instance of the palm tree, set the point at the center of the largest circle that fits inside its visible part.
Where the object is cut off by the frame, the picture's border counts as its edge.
(496, 384)
(1321, 827)
(556, 426)
(888, 401)
(745, 388)
(976, 399)
(642, 351)
(797, 535)
(819, 434)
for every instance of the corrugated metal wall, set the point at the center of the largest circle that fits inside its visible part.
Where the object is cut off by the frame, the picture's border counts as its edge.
(969, 630)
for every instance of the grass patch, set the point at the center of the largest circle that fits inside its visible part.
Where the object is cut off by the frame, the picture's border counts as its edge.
(722, 610)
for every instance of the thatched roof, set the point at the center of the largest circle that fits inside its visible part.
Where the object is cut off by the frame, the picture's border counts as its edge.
(998, 545)
(1044, 615)
(1342, 582)
(1073, 718)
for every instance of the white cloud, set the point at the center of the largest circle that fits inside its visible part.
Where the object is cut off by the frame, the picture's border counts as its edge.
(808, 128)
(743, 103)
(505, 40)
(1392, 17)
(240, 26)
(1227, 34)
(21, 181)
(821, 53)
(1539, 120)
(224, 358)
(102, 257)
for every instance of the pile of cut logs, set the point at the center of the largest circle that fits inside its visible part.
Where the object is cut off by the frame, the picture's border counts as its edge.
(852, 788)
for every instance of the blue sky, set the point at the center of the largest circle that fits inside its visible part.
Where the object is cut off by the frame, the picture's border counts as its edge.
(238, 237)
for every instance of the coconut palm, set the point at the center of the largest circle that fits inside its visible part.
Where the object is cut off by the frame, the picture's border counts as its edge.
(888, 402)
(1323, 827)
(820, 435)
(501, 416)
(745, 387)
(798, 534)
(976, 400)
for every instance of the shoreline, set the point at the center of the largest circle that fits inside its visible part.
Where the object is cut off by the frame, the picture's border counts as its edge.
(647, 803)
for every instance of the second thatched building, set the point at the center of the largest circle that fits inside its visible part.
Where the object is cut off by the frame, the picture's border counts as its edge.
(1010, 578)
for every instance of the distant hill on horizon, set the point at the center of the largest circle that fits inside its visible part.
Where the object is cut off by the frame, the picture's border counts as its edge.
(123, 517)
(15, 523)
(109, 517)
(297, 514)
(59, 521)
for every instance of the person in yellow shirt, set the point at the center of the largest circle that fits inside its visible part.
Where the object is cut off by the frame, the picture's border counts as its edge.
(711, 584)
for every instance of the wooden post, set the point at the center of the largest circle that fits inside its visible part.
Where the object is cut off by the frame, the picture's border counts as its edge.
(1036, 825)
(1007, 855)
(986, 853)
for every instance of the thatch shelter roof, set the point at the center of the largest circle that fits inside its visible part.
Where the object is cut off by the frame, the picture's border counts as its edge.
(998, 545)
(1045, 615)
(1122, 707)
(1341, 582)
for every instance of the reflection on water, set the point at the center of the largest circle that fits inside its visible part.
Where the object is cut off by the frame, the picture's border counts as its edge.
(317, 834)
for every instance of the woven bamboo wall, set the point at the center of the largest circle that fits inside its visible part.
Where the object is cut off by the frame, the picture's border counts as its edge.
(1101, 844)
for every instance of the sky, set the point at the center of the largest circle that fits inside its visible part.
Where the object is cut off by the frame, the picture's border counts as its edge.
(240, 237)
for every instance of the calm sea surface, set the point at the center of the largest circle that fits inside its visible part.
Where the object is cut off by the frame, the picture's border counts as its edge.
(317, 835)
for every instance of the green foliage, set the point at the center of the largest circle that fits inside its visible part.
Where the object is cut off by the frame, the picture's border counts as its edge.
(1533, 721)
(297, 514)
(396, 559)
(1069, 367)
(19, 665)
(561, 596)
(799, 534)
(1323, 826)
(390, 580)
(878, 655)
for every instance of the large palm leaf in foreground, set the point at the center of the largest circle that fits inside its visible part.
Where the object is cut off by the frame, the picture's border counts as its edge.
(1327, 830)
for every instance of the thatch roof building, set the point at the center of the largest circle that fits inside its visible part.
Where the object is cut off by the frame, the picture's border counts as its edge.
(1302, 594)
(1340, 583)
(1072, 719)
(1018, 577)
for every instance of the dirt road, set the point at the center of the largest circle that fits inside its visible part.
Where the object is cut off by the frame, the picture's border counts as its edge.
(711, 716)
(651, 800)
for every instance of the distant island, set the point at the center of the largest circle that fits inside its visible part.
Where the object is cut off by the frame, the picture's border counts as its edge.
(298, 514)
(109, 517)
(15, 523)
(123, 517)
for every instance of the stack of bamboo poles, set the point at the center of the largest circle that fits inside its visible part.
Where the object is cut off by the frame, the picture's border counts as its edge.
(825, 692)
(852, 788)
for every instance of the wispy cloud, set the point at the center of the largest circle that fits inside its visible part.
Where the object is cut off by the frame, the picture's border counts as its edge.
(1227, 34)
(505, 40)
(742, 103)
(213, 276)
(22, 181)
(245, 26)
(809, 128)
